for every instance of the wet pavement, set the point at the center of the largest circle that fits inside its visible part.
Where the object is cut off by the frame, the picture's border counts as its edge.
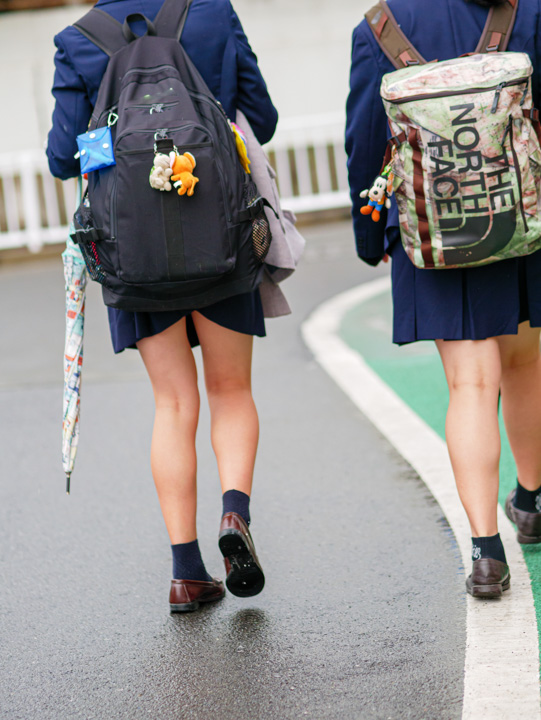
(363, 613)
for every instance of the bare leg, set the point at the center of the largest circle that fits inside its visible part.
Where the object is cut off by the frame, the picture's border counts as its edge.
(227, 359)
(473, 370)
(170, 364)
(521, 401)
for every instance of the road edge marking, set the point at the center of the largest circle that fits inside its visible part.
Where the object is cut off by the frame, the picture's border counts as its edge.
(501, 670)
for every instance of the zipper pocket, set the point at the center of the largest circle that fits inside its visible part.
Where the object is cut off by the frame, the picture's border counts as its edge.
(432, 96)
(172, 130)
(153, 132)
(122, 153)
(154, 107)
(150, 71)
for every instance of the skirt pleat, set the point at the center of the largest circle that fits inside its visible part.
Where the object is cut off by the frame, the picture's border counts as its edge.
(241, 313)
(463, 303)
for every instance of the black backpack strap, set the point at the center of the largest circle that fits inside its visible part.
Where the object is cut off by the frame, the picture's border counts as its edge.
(103, 30)
(390, 37)
(171, 18)
(498, 28)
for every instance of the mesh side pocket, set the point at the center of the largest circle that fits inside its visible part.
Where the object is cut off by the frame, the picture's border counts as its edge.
(86, 237)
(261, 237)
(90, 255)
(261, 232)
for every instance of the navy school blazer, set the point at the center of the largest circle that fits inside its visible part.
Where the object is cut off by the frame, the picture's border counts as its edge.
(439, 29)
(213, 38)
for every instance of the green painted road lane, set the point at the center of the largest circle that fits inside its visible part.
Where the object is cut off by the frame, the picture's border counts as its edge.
(415, 373)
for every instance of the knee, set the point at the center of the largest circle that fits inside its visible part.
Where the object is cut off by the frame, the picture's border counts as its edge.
(225, 386)
(518, 361)
(183, 403)
(480, 383)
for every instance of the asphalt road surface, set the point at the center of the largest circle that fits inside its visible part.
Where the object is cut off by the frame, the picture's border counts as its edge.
(363, 614)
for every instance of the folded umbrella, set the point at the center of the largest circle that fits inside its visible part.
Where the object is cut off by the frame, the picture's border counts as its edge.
(75, 275)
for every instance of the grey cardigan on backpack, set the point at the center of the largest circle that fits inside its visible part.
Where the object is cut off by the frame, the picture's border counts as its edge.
(287, 243)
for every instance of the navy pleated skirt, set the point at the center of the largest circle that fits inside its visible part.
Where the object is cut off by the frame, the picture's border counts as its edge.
(242, 313)
(463, 304)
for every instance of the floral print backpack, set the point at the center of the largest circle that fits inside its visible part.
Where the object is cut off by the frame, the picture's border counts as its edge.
(465, 147)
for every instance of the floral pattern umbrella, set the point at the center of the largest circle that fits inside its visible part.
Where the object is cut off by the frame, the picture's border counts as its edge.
(75, 275)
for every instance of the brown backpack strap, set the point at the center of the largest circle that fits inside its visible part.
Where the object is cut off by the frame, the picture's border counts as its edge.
(402, 53)
(498, 28)
(390, 37)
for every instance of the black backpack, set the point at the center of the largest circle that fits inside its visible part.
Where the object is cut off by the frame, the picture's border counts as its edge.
(155, 250)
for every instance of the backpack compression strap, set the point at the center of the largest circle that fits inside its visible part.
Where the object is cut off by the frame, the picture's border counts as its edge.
(402, 53)
(110, 35)
(497, 32)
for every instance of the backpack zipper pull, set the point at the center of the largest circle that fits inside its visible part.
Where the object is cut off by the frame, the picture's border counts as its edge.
(506, 132)
(157, 107)
(523, 98)
(497, 97)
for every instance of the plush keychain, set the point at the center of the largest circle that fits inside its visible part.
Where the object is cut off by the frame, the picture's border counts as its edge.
(161, 173)
(379, 194)
(242, 150)
(173, 170)
(183, 179)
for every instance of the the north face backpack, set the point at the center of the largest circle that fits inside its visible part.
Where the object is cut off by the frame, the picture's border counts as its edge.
(165, 249)
(465, 149)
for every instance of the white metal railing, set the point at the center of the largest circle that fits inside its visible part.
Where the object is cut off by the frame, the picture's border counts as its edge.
(34, 207)
(307, 153)
(310, 162)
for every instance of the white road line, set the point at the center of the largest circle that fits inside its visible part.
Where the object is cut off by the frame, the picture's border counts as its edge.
(501, 676)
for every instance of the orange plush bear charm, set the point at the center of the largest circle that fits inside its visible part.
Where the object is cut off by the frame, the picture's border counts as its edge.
(182, 178)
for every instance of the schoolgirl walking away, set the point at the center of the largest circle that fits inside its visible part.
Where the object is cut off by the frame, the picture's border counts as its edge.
(484, 318)
(215, 42)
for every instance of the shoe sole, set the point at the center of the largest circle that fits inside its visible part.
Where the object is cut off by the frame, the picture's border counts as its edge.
(245, 578)
(489, 592)
(184, 607)
(522, 539)
(192, 606)
(528, 539)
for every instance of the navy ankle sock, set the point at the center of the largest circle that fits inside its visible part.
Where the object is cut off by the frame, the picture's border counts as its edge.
(188, 563)
(527, 500)
(238, 502)
(488, 547)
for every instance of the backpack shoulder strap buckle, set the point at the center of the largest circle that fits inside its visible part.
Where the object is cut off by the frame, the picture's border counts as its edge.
(498, 28)
(390, 37)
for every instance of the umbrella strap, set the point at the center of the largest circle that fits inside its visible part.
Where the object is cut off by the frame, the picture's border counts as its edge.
(79, 191)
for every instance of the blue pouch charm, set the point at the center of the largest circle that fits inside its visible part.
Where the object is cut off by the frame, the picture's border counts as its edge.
(95, 149)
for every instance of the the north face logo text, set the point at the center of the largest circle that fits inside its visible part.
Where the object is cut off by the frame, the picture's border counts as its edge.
(461, 182)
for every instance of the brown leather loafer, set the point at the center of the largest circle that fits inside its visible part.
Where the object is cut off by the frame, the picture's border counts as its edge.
(187, 595)
(244, 574)
(489, 578)
(528, 523)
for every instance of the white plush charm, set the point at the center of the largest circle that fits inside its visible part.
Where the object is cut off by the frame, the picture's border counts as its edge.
(161, 172)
